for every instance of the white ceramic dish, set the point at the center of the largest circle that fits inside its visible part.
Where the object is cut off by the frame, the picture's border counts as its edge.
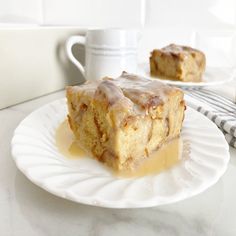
(87, 181)
(213, 76)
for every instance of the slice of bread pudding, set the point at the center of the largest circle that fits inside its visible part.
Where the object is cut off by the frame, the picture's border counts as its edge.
(177, 62)
(122, 121)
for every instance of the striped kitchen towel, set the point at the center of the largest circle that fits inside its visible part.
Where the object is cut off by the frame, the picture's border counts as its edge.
(217, 108)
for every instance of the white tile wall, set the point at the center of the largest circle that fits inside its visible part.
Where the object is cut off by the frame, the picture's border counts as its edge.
(219, 47)
(94, 13)
(34, 63)
(209, 25)
(23, 11)
(191, 14)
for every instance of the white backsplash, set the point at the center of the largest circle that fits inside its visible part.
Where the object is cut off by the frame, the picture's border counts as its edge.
(186, 14)
(209, 25)
(219, 46)
(21, 11)
(34, 63)
(90, 13)
(191, 14)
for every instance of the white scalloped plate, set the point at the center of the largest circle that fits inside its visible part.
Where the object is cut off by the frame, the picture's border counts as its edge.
(87, 181)
(213, 76)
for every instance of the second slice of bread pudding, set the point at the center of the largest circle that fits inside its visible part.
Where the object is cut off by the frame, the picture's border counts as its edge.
(177, 62)
(122, 121)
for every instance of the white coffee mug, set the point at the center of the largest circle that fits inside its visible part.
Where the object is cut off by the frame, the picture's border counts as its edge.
(108, 52)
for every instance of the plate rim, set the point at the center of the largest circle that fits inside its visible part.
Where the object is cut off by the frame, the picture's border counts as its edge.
(142, 67)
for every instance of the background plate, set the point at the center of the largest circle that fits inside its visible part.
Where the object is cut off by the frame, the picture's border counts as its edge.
(89, 182)
(213, 76)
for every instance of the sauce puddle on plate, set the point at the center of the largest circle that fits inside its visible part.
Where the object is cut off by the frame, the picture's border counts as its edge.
(164, 158)
(66, 143)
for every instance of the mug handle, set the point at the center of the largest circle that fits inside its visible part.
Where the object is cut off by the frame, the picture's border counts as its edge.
(69, 44)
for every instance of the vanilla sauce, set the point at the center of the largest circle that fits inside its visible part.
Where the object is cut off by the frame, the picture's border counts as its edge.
(160, 160)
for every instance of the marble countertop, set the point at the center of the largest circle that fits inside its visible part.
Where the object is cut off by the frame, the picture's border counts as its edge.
(29, 210)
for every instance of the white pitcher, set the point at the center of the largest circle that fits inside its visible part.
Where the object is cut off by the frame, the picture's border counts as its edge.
(108, 52)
